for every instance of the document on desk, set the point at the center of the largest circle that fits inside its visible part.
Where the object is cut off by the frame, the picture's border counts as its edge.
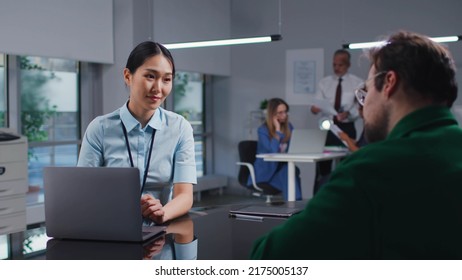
(260, 211)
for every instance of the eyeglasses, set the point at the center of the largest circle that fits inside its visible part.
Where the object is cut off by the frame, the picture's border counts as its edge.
(361, 92)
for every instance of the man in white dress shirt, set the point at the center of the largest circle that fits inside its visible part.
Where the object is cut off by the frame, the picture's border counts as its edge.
(338, 89)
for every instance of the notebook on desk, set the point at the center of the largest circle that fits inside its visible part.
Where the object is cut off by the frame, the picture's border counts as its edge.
(95, 203)
(266, 211)
(307, 141)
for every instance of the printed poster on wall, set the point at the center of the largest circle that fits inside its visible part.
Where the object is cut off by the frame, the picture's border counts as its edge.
(304, 69)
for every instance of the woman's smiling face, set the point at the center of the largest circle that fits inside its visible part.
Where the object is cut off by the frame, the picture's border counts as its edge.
(151, 83)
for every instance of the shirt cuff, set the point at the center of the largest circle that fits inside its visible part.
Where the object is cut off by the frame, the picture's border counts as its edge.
(187, 251)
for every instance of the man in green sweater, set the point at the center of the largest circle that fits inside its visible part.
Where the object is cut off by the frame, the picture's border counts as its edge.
(401, 196)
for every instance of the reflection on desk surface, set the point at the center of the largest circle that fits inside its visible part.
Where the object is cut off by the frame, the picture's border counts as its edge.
(59, 249)
(178, 242)
(208, 234)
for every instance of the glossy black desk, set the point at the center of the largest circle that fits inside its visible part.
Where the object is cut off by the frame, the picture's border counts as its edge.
(219, 237)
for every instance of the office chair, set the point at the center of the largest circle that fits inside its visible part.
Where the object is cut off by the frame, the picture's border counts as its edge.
(247, 152)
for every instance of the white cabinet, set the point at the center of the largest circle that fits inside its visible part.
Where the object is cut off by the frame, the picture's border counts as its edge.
(13, 185)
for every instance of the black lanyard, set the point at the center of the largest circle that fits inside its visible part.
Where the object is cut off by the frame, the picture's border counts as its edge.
(131, 158)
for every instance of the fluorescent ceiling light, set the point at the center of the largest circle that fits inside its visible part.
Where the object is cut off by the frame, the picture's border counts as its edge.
(226, 42)
(366, 45)
(446, 39)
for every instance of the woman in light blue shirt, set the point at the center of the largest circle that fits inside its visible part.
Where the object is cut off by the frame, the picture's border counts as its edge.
(141, 134)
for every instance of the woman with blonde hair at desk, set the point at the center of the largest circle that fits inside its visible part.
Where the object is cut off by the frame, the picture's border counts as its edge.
(274, 137)
(142, 134)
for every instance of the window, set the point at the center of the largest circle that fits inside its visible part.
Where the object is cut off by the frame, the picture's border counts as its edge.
(3, 100)
(188, 101)
(47, 93)
(3, 247)
(49, 113)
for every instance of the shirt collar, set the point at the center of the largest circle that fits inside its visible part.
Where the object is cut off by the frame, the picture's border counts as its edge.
(156, 121)
(340, 77)
(422, 119)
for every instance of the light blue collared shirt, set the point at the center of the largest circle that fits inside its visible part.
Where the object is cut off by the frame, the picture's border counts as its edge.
(172, 160)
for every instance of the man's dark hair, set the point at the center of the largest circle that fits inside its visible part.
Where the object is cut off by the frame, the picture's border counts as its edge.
(424, 68)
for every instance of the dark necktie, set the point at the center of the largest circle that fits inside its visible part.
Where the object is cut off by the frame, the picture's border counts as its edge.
(338, 98)
(338, 95)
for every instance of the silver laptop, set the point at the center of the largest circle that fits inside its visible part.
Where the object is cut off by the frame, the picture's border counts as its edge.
(307, 141)
(95, 203)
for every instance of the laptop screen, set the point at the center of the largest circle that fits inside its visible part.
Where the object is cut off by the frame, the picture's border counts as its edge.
(307, 141)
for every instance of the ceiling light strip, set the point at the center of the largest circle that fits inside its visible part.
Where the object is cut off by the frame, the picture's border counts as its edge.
(366, 45)
(226, 42)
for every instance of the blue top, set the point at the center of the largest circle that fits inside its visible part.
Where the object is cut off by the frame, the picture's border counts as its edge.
(265, 170)
(172, 160)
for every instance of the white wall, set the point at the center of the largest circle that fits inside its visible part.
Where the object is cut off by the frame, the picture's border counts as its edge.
(114, 92)
(195, 20)
(80, 30)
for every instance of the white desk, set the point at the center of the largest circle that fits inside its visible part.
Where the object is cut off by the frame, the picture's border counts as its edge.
(291, 159)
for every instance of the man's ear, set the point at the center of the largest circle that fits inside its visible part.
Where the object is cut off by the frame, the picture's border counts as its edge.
(127, 77)
(390, 84)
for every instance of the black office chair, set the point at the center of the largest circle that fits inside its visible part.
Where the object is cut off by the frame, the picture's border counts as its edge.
(247, 153)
